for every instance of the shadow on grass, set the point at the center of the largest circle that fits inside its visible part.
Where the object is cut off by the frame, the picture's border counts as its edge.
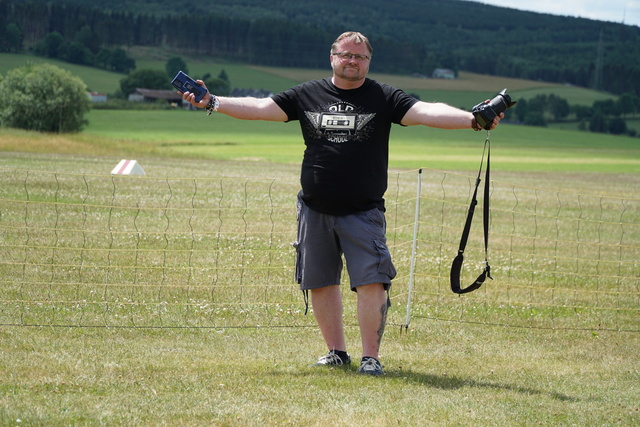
(447, 382)
(444, 382)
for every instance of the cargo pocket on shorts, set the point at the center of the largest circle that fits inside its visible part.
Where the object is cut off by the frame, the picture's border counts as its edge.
(385, 265)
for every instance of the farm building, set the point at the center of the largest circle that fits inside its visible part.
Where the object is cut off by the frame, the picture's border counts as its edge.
(443, 73)
(152, 95)
(97, 97)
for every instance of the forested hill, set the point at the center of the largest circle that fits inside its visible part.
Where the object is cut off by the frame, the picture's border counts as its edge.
(409, 36)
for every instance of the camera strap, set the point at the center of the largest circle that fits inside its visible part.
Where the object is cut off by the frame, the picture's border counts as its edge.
(456, 266)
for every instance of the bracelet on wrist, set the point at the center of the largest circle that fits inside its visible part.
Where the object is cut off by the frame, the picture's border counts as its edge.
(213, 104)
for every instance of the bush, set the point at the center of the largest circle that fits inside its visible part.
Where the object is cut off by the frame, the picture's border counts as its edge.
(175, 64)
(598, 122)
(44, 98)
(617, 126)
(535, 119)
(218, 87)
(146, 79)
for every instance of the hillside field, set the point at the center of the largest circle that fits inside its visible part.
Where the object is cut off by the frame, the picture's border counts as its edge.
(466, 91)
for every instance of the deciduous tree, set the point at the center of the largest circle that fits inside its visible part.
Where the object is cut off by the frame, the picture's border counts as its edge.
(43, 98)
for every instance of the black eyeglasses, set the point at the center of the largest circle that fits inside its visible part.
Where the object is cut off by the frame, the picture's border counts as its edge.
(348, 55)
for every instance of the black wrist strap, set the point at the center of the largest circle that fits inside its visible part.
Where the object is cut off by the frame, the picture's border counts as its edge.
(456, 266)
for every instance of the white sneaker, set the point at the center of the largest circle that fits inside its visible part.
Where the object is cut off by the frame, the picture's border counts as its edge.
(370, 366)
(332, 359)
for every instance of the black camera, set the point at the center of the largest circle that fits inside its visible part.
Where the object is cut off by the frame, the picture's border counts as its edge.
(486, 112)
(184, 83)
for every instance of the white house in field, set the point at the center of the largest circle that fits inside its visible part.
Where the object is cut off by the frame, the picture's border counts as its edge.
(443, 73)
(152, 95)
(97, 97)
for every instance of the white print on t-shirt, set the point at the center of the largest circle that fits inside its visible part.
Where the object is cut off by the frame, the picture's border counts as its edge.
(339, 122)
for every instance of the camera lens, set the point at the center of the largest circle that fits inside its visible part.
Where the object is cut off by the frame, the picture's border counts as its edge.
(501, 102)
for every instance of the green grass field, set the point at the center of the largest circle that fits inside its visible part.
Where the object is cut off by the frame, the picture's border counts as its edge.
(189, 134)
(461, 371)
(516, 148)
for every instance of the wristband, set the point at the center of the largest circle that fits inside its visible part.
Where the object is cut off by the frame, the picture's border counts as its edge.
(474, 125)
(213, 104)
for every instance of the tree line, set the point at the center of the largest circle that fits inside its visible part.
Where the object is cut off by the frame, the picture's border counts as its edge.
(602, 116)
(83, 50)
(454, 34)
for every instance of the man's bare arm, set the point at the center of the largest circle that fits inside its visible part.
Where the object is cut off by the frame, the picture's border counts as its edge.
(251, 109)
(242, 108)
(443, 116)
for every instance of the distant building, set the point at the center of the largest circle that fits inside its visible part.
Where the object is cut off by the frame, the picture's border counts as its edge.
(443, 73)
(97, 97)
(152, 95)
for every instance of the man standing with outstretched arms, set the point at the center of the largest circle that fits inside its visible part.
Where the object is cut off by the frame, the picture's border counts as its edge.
(345, 121)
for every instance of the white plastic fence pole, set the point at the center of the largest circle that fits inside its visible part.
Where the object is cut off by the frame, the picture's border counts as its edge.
(414, 248)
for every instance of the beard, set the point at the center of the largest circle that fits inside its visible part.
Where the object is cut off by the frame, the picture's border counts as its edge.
(349, 73)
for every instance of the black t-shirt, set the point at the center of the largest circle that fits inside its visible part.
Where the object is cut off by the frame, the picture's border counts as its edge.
(346, 133)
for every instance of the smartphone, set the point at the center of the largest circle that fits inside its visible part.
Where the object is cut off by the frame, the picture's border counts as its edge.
(184, 83)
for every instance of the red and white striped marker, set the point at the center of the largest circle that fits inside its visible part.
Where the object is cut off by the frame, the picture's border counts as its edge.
(128, 167)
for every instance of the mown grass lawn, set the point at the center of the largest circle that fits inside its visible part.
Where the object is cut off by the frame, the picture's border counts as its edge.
(437, 372)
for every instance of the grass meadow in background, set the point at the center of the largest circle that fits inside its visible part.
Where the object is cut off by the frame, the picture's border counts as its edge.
(193, 134)
(437, 372)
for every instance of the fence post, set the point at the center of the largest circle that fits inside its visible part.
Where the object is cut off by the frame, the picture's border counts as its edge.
(414, 244)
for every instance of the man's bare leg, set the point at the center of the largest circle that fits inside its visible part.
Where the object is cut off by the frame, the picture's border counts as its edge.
(327, 309)
(372, 317)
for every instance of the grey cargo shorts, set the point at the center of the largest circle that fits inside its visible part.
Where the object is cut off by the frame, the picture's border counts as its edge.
(323, 239)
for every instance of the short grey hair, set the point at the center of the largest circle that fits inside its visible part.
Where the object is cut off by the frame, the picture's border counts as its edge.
(353, 36)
